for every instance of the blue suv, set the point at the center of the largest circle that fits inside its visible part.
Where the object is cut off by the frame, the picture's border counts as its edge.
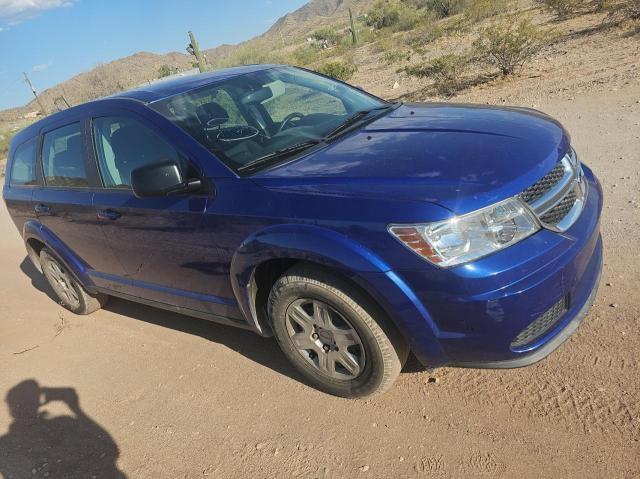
(352, 229)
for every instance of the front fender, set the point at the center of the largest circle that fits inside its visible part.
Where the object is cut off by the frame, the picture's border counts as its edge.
(33, 230)
(299, 242)
(349, 258)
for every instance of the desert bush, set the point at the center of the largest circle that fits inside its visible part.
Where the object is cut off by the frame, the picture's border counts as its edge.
(562, 8)
(410, 17)
(396, 56)
(305, 55)
(446, 8)
(385, 42)
(383, 14)
(164, 71)
(326, 35)
(509, 45)
(447, 72)
(252, 54)
(620, 11)
(477, 10)
(338, 70)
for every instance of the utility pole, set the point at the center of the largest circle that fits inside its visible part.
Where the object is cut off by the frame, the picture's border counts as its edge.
(194, 49)
(26, 78)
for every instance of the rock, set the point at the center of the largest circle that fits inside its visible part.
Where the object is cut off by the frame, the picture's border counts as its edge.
(433, 380)
(609, 284)
(614, 305)
(396, 85)
(364, 468)
(261, 445)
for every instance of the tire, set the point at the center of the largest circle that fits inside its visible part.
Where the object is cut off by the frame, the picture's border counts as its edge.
(69, 291)
(339, 339)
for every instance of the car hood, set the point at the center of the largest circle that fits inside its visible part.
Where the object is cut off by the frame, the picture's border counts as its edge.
(462, 157)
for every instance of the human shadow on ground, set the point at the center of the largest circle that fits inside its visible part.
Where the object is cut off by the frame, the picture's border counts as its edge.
(37, 445)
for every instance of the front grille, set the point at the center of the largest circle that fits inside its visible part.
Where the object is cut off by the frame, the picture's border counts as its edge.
(559, 211)
(541, 187)
(541, 325)
(559, 197)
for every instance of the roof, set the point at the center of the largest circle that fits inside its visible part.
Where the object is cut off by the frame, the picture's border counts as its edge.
(164, 89)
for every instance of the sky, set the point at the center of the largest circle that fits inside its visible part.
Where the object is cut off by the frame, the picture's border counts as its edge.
(53, 40)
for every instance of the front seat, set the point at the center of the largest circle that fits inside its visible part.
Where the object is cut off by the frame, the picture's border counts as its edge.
(135, 146)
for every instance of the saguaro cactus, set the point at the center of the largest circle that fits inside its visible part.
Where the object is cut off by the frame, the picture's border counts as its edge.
(354, 32)
(194, 49)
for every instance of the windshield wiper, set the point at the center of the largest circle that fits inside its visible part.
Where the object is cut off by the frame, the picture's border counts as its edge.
(352, 120)
(279, 154)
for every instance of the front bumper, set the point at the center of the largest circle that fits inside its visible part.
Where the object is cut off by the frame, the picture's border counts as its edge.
(470, 315)
(557, 335)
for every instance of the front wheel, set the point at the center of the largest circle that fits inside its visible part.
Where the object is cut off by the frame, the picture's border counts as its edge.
(333, 334)
(70, 293)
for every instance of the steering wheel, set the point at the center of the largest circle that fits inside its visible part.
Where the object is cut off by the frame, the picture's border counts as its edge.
(291, 116)
(232, 133)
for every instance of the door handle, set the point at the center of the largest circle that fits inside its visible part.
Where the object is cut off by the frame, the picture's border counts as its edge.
(42, 209)
(109, 214)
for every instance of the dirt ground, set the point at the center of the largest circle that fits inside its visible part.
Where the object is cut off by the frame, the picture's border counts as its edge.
(162, 395)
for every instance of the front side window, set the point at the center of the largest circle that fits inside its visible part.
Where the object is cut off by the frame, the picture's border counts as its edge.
(63, 158)
(254, 116)
(124, 144)
(23, 169)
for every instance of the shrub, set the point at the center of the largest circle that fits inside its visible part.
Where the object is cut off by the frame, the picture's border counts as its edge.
(338, 70)
(623, 10)
(477, 10)
(509, 45)
(409, 18)
(306, 54)
(164, 71)
(446, 71)
(396, 56)
(562, 8)
(383, 14)
(446, 8)
(327, 36)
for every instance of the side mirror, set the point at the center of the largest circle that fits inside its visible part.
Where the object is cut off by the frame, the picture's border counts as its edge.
(161, 179)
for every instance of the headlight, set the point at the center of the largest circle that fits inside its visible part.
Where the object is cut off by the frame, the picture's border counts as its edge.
(468, 237)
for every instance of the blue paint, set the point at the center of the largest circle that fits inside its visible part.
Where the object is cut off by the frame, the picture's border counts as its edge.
(331, 205)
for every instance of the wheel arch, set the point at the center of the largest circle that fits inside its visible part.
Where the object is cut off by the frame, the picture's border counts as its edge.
(264, 256)
(36, 237)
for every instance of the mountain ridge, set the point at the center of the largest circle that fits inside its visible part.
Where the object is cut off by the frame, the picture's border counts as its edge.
(134, 70)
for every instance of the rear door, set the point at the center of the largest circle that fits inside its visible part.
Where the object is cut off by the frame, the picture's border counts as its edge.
(63, 202)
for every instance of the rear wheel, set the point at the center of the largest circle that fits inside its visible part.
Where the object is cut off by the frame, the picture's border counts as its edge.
(70, 293)
(333, 334)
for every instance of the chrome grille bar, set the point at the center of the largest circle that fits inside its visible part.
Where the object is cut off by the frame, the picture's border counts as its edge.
(571, 187)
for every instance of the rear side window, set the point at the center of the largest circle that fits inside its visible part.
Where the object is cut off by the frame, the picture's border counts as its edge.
(23, 169)
(62, 157)
(124, 144)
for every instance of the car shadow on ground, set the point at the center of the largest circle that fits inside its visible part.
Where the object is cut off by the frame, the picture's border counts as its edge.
(38, 280)
(68, 445)
(264, 351)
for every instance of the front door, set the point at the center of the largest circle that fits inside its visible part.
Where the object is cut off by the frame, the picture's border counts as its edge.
(160, 242)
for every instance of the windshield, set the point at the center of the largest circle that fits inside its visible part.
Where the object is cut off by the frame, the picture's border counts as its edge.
(257, 119)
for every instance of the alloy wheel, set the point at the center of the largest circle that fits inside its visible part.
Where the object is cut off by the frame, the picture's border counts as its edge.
(325, 339)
